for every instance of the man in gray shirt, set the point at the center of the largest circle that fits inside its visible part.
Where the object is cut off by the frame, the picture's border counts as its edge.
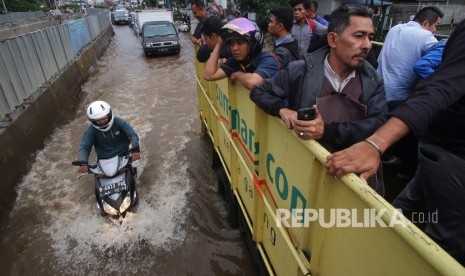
(304, 27)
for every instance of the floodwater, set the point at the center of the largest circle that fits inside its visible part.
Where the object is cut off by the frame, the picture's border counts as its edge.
(180, 226)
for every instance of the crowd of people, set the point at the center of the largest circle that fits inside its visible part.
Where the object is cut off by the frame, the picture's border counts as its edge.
(408, 104)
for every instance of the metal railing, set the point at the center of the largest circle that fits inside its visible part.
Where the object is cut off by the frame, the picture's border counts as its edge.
(267, 171)
(30, 61)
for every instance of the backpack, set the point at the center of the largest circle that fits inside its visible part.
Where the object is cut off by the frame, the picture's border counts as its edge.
(314, 36)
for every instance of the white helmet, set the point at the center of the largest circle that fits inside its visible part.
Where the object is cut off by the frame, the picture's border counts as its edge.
(99, 110)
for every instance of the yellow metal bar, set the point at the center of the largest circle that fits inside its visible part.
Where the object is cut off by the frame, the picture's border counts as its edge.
(271, 169)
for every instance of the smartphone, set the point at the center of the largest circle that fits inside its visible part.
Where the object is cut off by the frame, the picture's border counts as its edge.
(306, 114)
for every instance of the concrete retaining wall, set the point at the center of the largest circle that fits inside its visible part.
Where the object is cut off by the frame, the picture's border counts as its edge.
(10, 30)
(40, 118)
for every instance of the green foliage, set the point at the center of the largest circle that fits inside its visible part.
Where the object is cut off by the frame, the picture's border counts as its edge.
(178, 2)
(73, 6)
(262, 8)
(151, 3)
(22, 5)
(102, 7)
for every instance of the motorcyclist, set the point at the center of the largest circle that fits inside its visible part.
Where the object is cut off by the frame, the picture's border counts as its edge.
(186, 19)
(110, 135)
(186, 23)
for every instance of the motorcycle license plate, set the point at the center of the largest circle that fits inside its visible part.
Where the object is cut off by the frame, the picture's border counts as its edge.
(112, 188)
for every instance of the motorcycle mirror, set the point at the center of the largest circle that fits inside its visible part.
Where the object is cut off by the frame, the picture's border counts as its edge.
(78, 163)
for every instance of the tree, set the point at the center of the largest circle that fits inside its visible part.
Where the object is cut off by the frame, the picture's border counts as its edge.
(22, 5)
(262, 7)
(151, 3)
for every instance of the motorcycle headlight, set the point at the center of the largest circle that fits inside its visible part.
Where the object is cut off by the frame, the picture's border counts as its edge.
(109, 210)
(126, 203)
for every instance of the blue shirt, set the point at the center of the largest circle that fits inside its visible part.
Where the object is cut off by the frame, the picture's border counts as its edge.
(426, 65)
(108, 143)
(321, 20)
(283, 39)
(264, 65)
(404, 45)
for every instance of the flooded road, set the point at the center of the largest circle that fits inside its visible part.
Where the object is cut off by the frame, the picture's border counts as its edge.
(180, 225)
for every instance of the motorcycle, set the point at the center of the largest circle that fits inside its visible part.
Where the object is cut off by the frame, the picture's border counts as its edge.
(186, 24)
(115, 184)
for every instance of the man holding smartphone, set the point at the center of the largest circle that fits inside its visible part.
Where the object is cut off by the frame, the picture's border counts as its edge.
(435, 112)
(348, 93)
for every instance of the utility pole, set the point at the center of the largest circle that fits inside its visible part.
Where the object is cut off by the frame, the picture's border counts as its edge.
(4, 7)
